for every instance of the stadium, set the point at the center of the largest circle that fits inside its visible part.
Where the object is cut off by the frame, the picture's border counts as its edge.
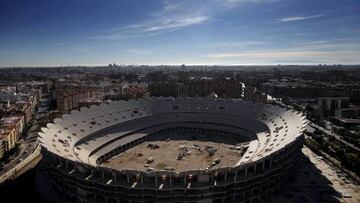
(173, 150)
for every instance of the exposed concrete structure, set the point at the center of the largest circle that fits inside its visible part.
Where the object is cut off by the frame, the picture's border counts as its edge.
(78, 146)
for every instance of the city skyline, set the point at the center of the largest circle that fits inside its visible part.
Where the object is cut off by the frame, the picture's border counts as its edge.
(223, 32)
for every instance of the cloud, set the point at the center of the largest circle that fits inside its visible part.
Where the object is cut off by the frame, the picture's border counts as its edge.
(233, 44)
(250, 1)
(170, 24)
(290, 55)
(174, 15)
(317, 42)
(263, 54)
(171, 7)
(332, 45)
(235, 3)
(151, 28)
(298, 18)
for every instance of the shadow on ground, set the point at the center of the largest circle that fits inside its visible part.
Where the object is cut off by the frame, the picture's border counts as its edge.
(308, 184)
(22, 189)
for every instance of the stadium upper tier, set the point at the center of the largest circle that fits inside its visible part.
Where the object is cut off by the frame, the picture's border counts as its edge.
(92, 135)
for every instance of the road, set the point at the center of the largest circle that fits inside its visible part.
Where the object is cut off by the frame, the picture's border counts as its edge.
(26, 148)
(27, 144)
(312, 126)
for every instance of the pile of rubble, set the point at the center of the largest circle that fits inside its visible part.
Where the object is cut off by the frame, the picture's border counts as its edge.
(210, 150)
(183, 151)
(151, 160)
(153, 146)
(212, 164)
(241, 147)
(186, 151)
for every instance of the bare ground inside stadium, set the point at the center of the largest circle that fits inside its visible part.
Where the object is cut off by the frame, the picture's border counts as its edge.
(164, 154)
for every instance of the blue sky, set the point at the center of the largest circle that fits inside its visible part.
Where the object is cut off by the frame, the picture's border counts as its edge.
(99, 32)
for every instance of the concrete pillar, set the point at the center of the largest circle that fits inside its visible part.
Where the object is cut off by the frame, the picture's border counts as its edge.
(263, 165)
(92, 173)
(170, 179)
(114, 176)
(185, 179)
(251, 195)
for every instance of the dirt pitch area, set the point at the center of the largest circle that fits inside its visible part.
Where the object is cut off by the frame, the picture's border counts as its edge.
(164, 154)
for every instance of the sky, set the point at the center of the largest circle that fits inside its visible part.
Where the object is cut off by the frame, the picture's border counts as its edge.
(157, 32)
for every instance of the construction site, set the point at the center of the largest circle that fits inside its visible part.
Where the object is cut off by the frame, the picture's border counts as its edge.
(180, 151)
(174, 150)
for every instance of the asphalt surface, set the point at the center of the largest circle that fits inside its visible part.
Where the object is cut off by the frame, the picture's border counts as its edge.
(26, 148)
